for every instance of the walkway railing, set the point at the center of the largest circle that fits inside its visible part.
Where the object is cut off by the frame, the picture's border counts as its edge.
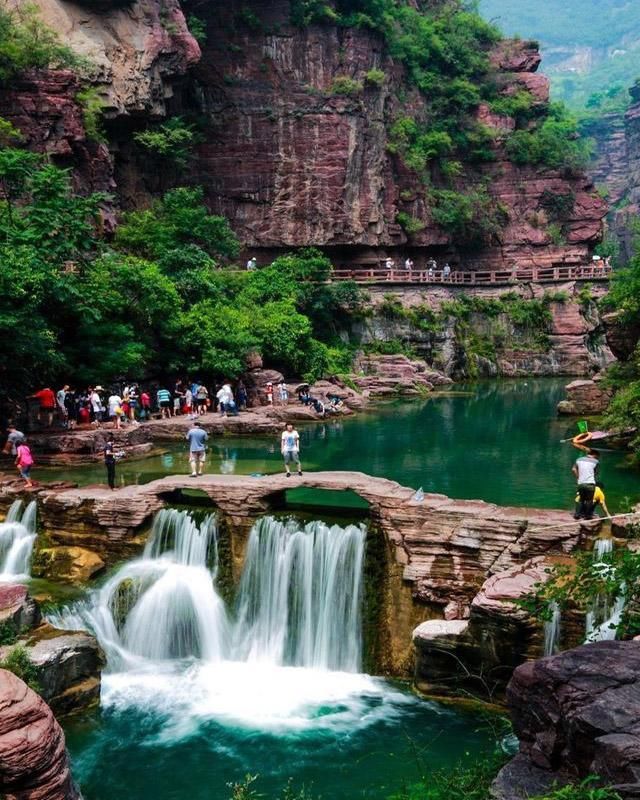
(598, 271)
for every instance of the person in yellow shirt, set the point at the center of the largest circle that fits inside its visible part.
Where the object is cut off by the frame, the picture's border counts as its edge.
(598, 500)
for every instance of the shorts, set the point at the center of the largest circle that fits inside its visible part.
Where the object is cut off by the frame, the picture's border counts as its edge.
(197, 456)
(291, 455)
(165, 404)
(201, 401)
(25, 472)
(176, 403)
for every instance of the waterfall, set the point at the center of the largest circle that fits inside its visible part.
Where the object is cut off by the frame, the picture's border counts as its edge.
(602, 618)
(298, 604)
(17, 537)
(300, 596)
(163, 606)
(552, 630)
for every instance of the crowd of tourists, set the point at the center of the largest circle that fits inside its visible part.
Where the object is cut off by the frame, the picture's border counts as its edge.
(429, 271)
(129, 403)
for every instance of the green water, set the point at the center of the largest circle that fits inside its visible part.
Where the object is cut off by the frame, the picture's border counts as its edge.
(364, 745)
(500, 442)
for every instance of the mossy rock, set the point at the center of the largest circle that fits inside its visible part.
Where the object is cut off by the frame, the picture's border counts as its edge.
(71, 564)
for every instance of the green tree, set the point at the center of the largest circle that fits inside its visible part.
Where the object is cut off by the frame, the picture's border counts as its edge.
(178, 219)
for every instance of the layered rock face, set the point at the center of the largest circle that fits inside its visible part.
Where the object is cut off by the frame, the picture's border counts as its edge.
(574, 342)
(68, 664)
(34, 764)
(291, 163)
(136, 49)
(576, 714)
(617, 167)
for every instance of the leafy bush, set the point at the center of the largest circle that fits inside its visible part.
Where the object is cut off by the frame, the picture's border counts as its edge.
(518, 105)
(27, 43)
(20, 664)
(466, 781)
(179, 218)
(197, 28)
(588, 789)
(9, 632)
(347, 86)
(410, 224)
(375, 77)
(472, 217)
(555, 143)
(170, 141)
(91, 102)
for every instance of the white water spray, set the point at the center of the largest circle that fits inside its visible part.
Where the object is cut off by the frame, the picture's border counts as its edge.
(552, 630)
(603, 618)
(300, 596)
(17, 537)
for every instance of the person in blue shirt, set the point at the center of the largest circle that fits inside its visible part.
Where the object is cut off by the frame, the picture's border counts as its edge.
(197, 438)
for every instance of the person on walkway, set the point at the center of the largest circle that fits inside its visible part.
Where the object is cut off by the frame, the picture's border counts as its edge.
(14, 438)
(284, 393)
(197, 438)
(24, 462)
(110, 461)
(241, 394)
(290, 448)
(95, 401)
(446, 272)
(586, 471)
(62, 408)
(114, 404)
(202, 396)
(252, 263)
(145, 406)
(408, 265)
(47, 400)
(163, 398)
(71, 406)
(389, 266)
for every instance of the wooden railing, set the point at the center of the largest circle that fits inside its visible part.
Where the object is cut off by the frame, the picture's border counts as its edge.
(598, 271)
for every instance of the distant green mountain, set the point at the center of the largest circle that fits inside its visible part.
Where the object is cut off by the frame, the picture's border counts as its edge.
(588, 46)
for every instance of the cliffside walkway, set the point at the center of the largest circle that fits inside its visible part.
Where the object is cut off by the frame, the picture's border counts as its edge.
(558, 274)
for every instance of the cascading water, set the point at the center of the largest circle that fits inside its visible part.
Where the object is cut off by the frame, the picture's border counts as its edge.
(17, 537)
(162, 606)
(300, 596)
(552, 630)
(603, 618)
(297, 628)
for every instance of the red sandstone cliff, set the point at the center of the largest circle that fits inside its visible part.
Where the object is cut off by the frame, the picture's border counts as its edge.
(289, 162)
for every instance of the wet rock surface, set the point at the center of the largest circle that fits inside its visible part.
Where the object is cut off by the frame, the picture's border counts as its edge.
(576, 714)
(33, 759)
(17, 608)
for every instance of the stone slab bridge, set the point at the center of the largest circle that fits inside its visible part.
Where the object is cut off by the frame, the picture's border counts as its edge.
(439, 559)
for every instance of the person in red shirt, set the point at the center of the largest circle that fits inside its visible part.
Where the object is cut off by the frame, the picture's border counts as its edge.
(47, 401)
(145, 405)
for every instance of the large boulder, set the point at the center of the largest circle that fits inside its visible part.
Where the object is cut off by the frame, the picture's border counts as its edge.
(585, 398)
(18, 611)
(69, 564)
(576, 714)
(33, 760)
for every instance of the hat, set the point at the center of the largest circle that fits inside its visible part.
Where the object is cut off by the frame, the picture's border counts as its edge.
(98, 389)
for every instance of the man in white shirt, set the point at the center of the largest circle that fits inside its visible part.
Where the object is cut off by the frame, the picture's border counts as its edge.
(290, 448)
(586, 471)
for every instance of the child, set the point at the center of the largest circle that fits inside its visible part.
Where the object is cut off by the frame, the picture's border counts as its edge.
(269, 393)
(598, 500)
(24, 462)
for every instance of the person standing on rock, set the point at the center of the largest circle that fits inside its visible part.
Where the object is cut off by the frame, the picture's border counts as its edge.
(24, 462)
(163, 398)
(290, 448)
(197, 438)
(586, 471)
(14, 438)
(47, 400)
(110, 461)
